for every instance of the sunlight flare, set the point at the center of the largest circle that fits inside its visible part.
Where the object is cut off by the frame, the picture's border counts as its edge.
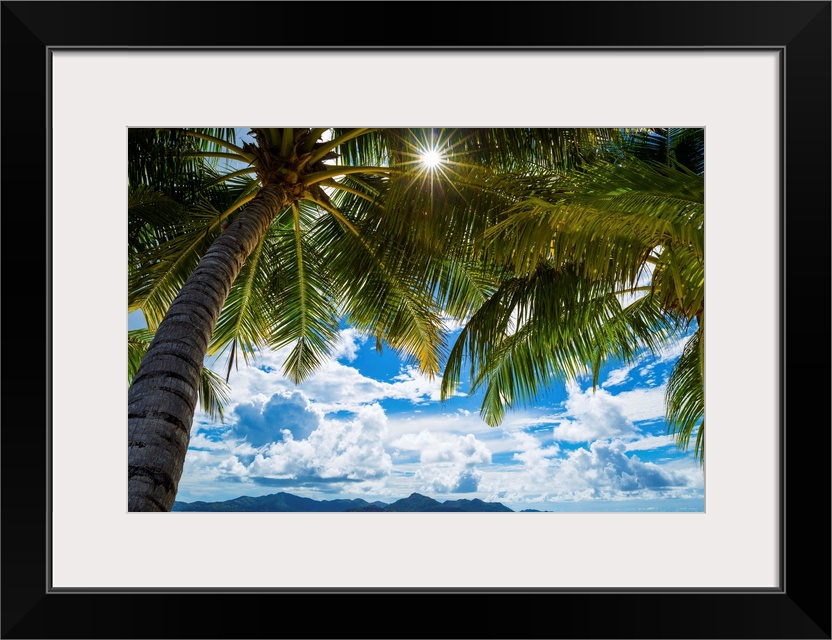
(431, 158)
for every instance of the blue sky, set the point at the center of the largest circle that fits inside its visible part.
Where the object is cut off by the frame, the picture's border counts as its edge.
(369, 425)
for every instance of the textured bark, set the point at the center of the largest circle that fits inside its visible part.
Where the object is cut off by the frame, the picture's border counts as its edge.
(163, 395)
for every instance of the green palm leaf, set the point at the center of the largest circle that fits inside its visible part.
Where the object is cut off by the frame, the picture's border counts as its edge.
(685, 397)
(304, 310)
(554, 326)
(244, 322)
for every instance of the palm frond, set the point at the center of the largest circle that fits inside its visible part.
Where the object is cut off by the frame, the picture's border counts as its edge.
(551, 327)
(169, 160)
(213, 394)
(668, 146)
(138, 340)
(303, 310)
(685, 397)
(610, 220)
(381, 290)
(244, 324)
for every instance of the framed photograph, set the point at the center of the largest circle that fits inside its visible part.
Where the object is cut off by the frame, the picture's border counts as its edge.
(749, 558)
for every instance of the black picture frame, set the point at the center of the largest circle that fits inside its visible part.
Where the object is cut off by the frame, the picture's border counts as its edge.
(799, 608)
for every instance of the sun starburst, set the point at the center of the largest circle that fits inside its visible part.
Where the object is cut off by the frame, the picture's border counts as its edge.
(431, 158)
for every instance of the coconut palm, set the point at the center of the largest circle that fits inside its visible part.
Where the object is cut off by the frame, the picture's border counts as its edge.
(607, 260)
(309, 226)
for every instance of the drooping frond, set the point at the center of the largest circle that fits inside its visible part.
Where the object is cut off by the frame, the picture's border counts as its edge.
(303, 309)
(685, 397)
(381, 290)
(152, 217)
(553, 326)
(138, 340)
(463, 286)
(213, 394)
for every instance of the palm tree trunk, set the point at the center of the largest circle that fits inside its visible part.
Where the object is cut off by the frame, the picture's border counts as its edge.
(163, 395)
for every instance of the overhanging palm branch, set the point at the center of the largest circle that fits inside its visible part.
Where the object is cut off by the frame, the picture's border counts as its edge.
(685, 396)
(609, 228)
(552, 326)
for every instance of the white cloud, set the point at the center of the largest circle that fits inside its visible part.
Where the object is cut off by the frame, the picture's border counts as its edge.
(643, 404)
(448, 464)
(538, 465)
(602, 471)
(592, 415)
(260, 423)
(348, 344)
(622, 374)
(444, 479)
(336, 449)
(530, 452)
(462, 422)
(650, 442)
(462, 450)
(618, 376)
(605, 471)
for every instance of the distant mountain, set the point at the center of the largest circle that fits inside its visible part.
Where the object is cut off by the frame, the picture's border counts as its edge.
(285, 502)
(418, 502)
(276, 502)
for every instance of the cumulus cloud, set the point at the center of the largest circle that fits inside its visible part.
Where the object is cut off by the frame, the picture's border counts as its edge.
(596, 415)
(603, 471)
(334, 386)
(345, 450)
(260, 423)
(432, 447)
(592, 416)
(443, 479)
(348, 344)
(448, 462)
(530, 452)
